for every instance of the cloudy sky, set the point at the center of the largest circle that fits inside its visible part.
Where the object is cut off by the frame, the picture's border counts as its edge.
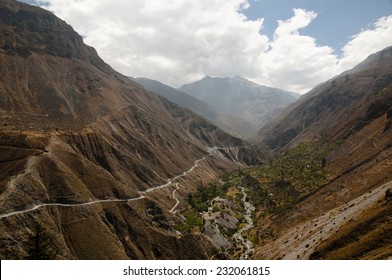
(289, 44)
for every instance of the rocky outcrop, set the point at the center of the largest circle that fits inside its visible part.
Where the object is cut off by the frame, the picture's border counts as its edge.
(27, 29)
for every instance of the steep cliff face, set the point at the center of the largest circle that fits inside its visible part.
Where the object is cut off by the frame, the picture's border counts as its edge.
(99, 161)
(349, 216)
(28, 29)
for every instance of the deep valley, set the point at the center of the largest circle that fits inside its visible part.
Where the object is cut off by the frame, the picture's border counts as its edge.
(102, 167)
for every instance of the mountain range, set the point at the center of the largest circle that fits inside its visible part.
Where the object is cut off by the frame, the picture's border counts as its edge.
(233, 125)
(118, 168)
(242, 98)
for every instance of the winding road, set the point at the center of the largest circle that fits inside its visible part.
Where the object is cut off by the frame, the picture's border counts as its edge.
(143, 194)
(35, 207)
(173, 210)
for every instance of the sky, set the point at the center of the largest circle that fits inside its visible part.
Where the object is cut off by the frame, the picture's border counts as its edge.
(288, 44)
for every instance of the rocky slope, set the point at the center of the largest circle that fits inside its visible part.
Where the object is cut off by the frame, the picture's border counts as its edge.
(349, 216)
(241, 98)
(91, 155)
(233, 125)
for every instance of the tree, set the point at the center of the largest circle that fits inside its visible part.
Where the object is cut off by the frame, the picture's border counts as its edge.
(191, 201)
(40, 245)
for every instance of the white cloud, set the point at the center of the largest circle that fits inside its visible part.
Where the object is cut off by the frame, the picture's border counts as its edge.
(301, 19)
(175, 41)
(295, 62)
(376, 38)
(179, 41)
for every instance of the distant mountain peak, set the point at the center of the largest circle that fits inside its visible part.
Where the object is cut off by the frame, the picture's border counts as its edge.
(234, 125)
(217, 78)
(240, 97)
(208, 77)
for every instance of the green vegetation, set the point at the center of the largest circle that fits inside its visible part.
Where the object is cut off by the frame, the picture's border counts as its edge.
(275, 186)
(200, 199)
(303, 167)
(272, 187)
(193, 222)
(296, 174)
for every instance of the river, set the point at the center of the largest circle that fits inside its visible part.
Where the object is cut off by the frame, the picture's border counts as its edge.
(246, 243)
